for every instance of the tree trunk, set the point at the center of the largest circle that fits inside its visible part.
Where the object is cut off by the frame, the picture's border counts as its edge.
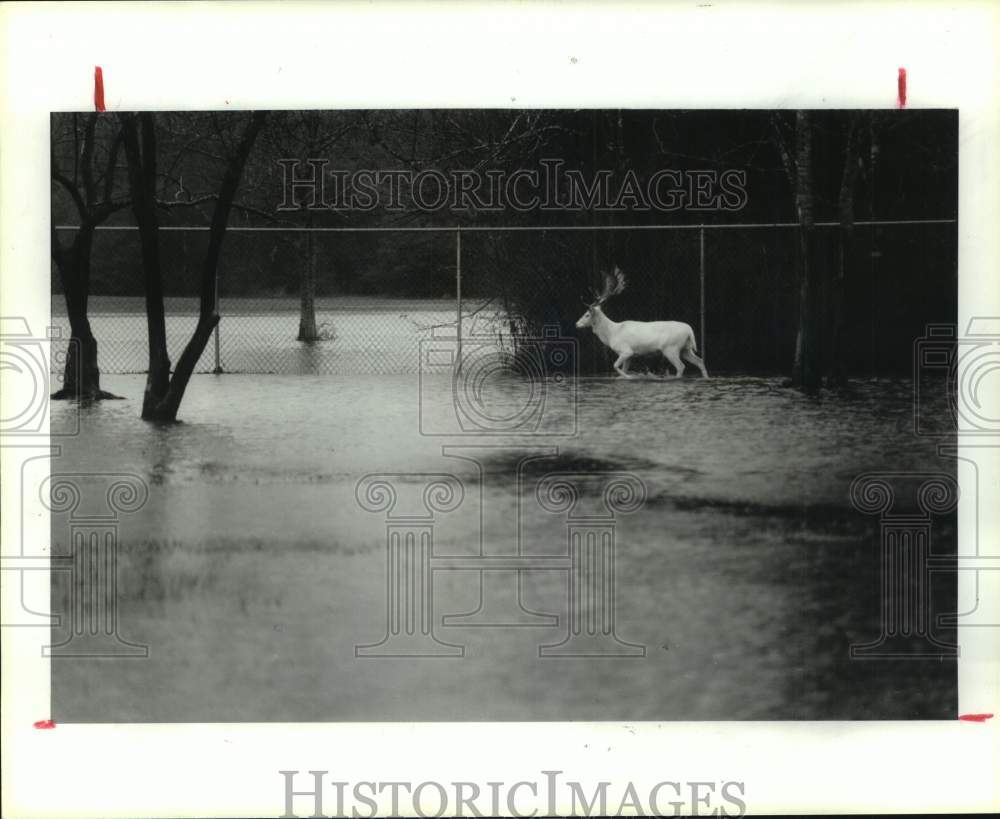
(838, 373)
(307, 306)
(806, 371)
(142, 181)
(164, 392)
(81, 374)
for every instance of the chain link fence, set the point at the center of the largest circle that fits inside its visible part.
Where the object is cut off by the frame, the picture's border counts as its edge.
(335, 301)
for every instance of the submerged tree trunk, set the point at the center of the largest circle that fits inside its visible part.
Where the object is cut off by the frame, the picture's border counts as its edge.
(307, 307)
(806, 370)
(81, 374)
(142, 181)
(845, 203)
(165, 391)
(307, 288)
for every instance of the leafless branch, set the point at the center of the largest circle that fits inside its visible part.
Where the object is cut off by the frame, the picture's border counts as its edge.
(782, 146)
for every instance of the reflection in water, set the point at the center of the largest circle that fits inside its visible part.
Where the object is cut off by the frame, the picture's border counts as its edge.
(747, 573)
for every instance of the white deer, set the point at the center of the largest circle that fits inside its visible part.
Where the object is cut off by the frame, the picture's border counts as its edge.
(674, 339)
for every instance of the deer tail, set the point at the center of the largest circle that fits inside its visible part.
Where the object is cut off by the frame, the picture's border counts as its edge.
(691, 340)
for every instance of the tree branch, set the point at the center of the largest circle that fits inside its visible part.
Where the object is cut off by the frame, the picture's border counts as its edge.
(70, 189)
(87, 159)
(110, 167)
(212, 197)
(782, 146)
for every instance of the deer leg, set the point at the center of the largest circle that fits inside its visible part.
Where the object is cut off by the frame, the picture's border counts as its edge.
(675, 361)
(689, 356)
(621, 365)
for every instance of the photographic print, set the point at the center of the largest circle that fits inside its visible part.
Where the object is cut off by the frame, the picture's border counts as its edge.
(423, 409)
(504, 415)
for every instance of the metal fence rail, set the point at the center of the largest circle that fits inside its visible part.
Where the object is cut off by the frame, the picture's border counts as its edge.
(420, 282)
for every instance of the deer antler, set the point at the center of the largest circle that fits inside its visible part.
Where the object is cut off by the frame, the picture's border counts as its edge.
(619, 283)
(614, 283)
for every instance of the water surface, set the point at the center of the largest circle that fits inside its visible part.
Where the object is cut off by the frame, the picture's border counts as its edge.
(252, 572)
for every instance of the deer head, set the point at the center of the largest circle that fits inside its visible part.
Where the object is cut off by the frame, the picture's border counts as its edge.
(614, 283)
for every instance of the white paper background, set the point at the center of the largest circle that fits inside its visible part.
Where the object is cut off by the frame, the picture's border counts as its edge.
(292, 55)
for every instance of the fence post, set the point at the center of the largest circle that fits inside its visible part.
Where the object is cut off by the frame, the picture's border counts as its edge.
(458, 297)
(701, 274)
(218, 364)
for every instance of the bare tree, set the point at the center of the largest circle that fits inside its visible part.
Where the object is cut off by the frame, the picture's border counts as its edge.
(307, 135)
(165, 390)
(806, 367)
(845, 209)
(806, 371)
(91, 185)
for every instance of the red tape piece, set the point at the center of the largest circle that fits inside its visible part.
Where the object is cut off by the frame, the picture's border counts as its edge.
(975, 717)
(98, 89)
(901, 87)
(45, 723)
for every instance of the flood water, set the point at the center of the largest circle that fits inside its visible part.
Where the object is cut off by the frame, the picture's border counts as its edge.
(252, 571)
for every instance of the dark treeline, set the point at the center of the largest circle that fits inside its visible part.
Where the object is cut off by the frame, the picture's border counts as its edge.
(871, 289)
